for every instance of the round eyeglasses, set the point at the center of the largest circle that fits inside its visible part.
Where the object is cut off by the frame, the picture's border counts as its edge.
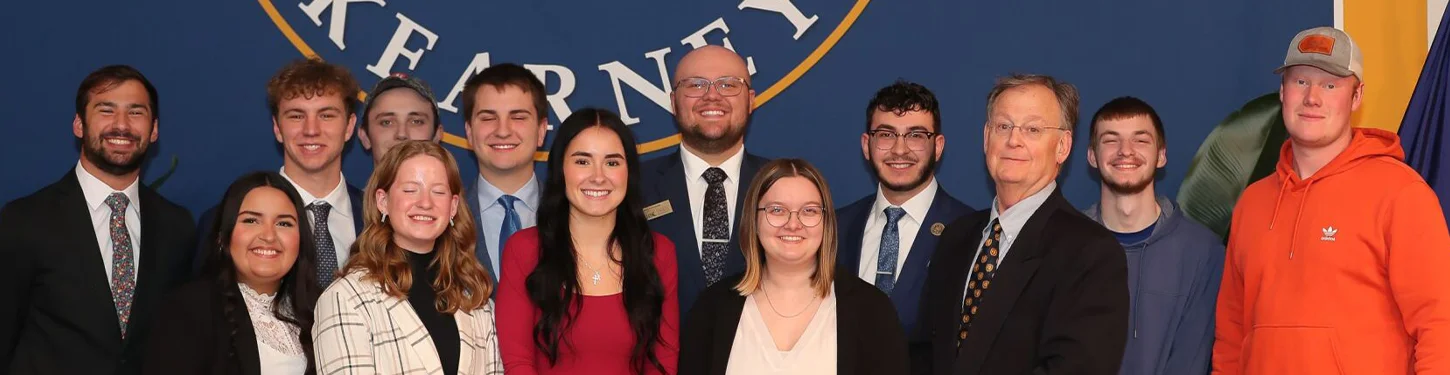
(695, 87)
(916, 140)
(778, 216)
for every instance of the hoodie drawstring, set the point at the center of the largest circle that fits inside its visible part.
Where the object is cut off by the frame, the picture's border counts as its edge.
(1138, 289)
(1280, 199)
(1294, 234)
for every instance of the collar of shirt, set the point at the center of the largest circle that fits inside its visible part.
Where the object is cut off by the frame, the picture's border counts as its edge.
(916, 207)
(695, 166)
(341, 205)
(488, 194)
(96, 191)
(1016, 217)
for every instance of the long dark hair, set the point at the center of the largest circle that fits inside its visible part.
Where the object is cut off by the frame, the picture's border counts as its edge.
(553, 285)
(299, 287)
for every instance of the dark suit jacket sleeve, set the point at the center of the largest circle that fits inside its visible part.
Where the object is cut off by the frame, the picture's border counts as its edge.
(204, 242)
(1087, 326)
(696, 340)
(181, 342)
(15, 279)
(884, 350)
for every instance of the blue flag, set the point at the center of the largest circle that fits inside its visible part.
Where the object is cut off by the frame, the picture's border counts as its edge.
(1423, 133)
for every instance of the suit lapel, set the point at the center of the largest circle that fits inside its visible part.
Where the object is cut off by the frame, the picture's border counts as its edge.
(467, 331)
(848, 253)
(418, 342)
(734, 259)
(151, 274)
(847, 339)
(924, 245)
(1013, 276)
(244, 342)
(356, 197)
(480, 249)
(727, 321)
(671, 186)
(95, 278)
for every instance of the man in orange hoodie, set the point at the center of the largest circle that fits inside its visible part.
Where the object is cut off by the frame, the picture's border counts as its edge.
(1337, 263)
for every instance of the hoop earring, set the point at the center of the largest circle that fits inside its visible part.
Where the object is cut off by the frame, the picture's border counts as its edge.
(385, 217)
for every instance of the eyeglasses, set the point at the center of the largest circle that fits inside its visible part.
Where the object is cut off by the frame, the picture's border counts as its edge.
(1031, 132)
(695, 87)
(916, 140)
(778, 216)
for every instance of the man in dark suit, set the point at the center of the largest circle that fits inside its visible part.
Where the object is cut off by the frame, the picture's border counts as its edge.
(1059, 302)
(887, 238)
(692, 195)
(506, 117)
(88, 258)
(313, 130)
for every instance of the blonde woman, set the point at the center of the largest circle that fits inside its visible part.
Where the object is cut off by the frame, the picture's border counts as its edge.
(413, 299)
(789, 313)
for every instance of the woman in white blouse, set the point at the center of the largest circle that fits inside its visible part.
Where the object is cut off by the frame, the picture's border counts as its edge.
(789, 313)
(413, 298)
(250, 311)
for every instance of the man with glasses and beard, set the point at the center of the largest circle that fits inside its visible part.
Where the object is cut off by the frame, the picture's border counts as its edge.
(692, 195)
(1174, 263)
(75, 251)
(887, 238)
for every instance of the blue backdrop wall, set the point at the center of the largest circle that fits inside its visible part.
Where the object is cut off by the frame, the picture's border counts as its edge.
(1195, 61)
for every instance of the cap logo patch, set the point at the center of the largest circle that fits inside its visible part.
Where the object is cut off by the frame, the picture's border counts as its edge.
(1320, 44)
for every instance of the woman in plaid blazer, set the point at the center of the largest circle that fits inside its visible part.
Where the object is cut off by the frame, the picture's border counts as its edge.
(412, 299)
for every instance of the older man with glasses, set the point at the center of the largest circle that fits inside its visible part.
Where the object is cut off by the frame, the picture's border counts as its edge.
(888, 237)
(1029, 285)
(691, 195)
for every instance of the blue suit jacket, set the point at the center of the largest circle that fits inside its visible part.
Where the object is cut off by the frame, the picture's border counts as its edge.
(664, 179)
(906, 296)
(206, 243)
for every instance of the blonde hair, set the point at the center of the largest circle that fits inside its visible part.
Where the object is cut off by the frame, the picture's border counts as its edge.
(462, 283)
(750, 239)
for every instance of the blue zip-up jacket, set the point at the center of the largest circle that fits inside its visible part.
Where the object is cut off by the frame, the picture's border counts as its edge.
(1173, 280)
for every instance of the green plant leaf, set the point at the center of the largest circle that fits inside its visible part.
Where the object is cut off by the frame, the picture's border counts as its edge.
(1242, 149)
(156, 184)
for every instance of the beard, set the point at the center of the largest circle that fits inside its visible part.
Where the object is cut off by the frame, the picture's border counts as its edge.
(1130, 187)
(694, 135)
(921, 178)
(93, 148)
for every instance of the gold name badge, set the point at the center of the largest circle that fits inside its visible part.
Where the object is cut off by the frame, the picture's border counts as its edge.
(658, 209)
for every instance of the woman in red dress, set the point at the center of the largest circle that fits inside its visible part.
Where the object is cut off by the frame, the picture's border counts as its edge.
(590, 290)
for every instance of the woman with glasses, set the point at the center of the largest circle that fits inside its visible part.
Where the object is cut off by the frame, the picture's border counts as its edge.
(590, 290)
(789, 313)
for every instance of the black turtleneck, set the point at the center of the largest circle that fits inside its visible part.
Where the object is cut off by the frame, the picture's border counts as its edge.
(441, 327)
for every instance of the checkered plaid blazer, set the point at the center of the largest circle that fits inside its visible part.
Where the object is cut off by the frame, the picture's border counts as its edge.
(360, 330)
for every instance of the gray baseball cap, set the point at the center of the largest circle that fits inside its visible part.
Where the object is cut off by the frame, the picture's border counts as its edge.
(402, 80)
(1326, 48)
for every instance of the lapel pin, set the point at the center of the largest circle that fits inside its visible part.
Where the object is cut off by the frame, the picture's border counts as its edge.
(937, 228)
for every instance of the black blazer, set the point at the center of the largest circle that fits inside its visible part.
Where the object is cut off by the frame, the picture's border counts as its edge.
(664, 179)
(1058, 304)
(869, 339)
(56, 311)
(206, 246)
(200, 336)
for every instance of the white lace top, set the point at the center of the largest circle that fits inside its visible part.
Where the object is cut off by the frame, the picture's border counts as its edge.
(278, 345)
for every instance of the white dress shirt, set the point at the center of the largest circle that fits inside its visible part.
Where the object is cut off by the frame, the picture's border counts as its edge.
(910, 224)
(696, 185)
(96, 193)
(1012, 222)
(339, 219)
(491, 214)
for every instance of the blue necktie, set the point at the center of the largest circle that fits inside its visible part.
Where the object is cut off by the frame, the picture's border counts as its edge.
(510, 223)
(890, 244)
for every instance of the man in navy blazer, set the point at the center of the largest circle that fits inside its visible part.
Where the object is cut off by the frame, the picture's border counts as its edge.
(692, 195)
(888, 238)
(313, 130)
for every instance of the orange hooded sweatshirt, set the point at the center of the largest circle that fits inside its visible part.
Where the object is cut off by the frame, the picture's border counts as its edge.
(1345, 272)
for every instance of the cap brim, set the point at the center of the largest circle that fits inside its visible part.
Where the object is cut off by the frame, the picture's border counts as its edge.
(1331, 69)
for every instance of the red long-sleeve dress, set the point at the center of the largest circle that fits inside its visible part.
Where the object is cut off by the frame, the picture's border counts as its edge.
(601, 340)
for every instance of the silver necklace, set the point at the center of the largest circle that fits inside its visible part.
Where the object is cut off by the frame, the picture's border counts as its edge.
(777, 312)
(596, 277)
